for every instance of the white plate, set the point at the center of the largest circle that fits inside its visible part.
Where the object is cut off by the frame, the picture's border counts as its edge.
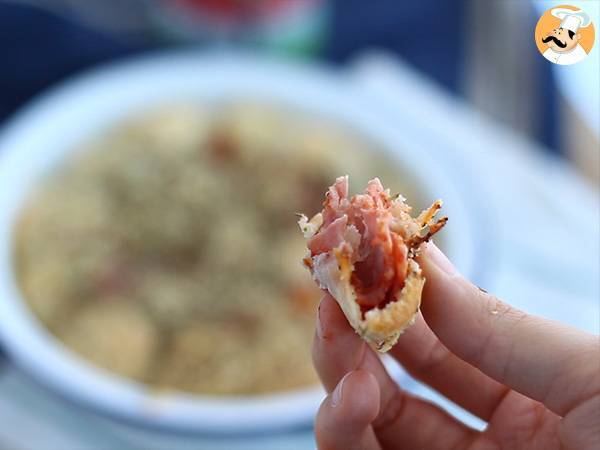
(44, 132)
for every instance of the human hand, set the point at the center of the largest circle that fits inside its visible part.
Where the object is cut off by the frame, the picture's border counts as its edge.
(534, 381)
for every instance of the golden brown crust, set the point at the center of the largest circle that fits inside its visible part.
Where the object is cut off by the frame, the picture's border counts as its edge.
(384, 326)
(379, 327)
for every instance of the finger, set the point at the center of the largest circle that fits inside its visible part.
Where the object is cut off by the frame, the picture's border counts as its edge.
(545, 360)
(423, 356)
(408, 423)
(344, 418)
(580, 428)
(337, 349)
(414, 423)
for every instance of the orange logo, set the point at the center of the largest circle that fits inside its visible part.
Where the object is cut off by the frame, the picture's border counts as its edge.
(564, 35)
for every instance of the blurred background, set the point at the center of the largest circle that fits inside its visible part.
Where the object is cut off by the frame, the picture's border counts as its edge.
(485, 54)
(518, 136)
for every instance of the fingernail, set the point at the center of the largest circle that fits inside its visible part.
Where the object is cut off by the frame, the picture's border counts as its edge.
(336, 396)
(440, 260)
(319, 324)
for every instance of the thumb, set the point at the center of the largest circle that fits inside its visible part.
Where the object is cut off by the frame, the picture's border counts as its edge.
(344, 418)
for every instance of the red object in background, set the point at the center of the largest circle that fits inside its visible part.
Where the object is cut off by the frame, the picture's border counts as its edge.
(294, 26)
(236, 10)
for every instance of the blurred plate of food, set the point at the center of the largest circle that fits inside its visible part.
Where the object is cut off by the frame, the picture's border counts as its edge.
(149, 252)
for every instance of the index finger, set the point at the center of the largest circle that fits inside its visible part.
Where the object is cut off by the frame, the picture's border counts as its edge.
(545, 360)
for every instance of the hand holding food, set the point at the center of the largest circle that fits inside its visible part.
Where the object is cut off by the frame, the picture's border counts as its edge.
(534, 382)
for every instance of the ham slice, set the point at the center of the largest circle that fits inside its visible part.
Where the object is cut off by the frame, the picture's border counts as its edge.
(362, 249)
